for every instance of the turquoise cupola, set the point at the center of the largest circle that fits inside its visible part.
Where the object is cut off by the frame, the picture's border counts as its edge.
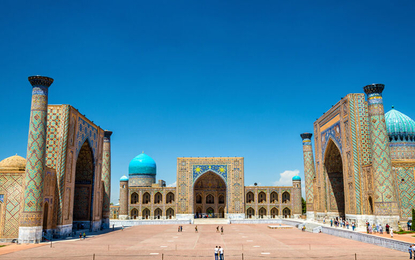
(296, 178)
(142, 164)
(124, 178)
(400, 127)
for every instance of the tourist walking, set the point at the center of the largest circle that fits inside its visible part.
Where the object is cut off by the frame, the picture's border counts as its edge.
(221, 230)
(409, 225)
(216, 253)
(217, 229)
(380, 229)
(331, 222)
(391, 232)
(84, 235)
(387, 228)
(353, 226)
(411, 251)
(196, 229)
(221, 253)
(80, 235)
(181, 228)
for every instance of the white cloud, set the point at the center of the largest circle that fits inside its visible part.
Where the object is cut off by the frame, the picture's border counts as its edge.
(172, 184)
(286, 178)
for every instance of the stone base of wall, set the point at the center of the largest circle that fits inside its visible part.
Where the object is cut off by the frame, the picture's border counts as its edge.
(30, 235)
(235, 216)
(133, 222)
(63, 230)
(184, 216)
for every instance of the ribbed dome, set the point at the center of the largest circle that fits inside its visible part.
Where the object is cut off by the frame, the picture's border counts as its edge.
(124, 178)
(142, 164)
(13, 163)
(296, 178)
(400, 127)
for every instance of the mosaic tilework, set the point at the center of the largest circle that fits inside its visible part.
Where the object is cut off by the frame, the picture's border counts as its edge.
(86, 131)
(82, 205)
(198, 170)
(333, 133)
(309, 172)
(11, 185)
(406, 190)
(402, 150)
(106, 173)
(52, 139)
(354, 126)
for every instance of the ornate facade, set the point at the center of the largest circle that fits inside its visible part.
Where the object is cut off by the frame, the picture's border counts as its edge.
(205, 187)
(65, 181)
(365, 162)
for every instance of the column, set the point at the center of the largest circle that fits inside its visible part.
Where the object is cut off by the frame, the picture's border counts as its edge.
(385, 203)
(31, 219)
(106, 178)
(309, 173)
(124, 198)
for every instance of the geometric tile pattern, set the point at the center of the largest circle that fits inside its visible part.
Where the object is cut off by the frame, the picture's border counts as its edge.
(106, 173)
(406, 190)
(333, 133)
(52, 143)
(308, 170)
(11, 185)
(199, 170)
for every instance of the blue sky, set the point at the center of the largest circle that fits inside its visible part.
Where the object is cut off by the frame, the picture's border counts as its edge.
(203, 78)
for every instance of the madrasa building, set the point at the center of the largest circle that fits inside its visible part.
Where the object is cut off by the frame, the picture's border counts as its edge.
(64, 183)
(206, 187)
(364, 162)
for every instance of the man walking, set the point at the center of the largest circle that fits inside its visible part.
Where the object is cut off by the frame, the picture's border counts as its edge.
(221, 253)
(216, 253)
(221, 231)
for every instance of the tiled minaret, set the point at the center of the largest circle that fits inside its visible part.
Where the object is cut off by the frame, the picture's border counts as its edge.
(30, 230)
(123, 197)
(309, 173)
(106, 178)
(385, 203)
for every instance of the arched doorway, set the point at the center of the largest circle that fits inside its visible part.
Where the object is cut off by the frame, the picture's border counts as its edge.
(286, 212)
(84, 187)
(170, 213)
(262, 197)
(249, 197)
(158, 198)
(262, 212)
(250, 212)
(334, 167)
(274, 197)
(210, 195)
(45, 215)
(169, 198)
(146, 214)
(221, 213)
(158, 213)
(274, 212)
(146, 198)
(134, 198)
(286, 197)
(134, 213)
(370, 205)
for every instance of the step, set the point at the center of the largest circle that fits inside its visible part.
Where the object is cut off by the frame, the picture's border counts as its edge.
(206, 221)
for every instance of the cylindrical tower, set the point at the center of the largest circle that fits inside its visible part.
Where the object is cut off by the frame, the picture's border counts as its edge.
(297, 205)
(30, 230)
(385, 204)
(123, 197)
(106, 178)
(309, 173)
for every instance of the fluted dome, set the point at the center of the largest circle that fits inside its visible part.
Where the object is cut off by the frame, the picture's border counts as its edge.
(296, 178)
(400, 127)
(13, 163)
(124, 178)
(142, 164)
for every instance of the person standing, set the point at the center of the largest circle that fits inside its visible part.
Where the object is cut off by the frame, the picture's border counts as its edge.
(387, 228)
(84, 235)
(411, 251)
(221, 253)
(331, 222)
(353, 225)
(380, 229)
(196, 229)
(216, 253)
(391, 232)
(221, 231)
(80, 235)
(217, 229)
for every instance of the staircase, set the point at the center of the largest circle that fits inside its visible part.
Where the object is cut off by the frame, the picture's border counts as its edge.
(212, 221)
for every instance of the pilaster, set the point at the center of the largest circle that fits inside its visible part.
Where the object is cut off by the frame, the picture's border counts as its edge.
(106, 178)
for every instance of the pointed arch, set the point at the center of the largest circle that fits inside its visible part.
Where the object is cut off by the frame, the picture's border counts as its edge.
(249, 197)
(250, 212)
(134, 198)
(262, 197)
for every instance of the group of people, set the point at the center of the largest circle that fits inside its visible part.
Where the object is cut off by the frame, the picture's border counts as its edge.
(82, 235)
(411, 251)
(219, 253)
(180, 229)
(341, 223)
(221, 230)
(377, 228)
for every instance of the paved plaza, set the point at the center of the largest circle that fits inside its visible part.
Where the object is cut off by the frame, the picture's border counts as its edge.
(239, 242)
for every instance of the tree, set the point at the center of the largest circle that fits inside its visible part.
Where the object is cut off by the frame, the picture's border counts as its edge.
(413, 218)
(305, 205)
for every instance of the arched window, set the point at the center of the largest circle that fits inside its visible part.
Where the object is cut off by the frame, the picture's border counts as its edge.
(250, 212)
(286, 197)
(370, 206)
(134, 198)
(250, 197)
(274, 212)
(158, 198)
(274, 197)
(158, 214)
(262, 197)
(262, 212)
(146, 214)
(170, 213)
(146, 198)
(210, 199)
(221, 212)
(198, 199)
(134, 213)
(286, 212)
(221, 199)
(169, 198)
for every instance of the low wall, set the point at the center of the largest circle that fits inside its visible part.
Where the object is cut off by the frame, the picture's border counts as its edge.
(255, 221)
(134, 222)
(366, 238)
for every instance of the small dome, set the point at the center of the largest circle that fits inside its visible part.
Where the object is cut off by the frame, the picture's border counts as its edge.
(142, 164)
(124, 178)
(296, 178)
(13, 163)
(400, 127)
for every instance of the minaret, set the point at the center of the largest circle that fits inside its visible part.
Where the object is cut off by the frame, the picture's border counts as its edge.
(31, 219)
(309, 173)
(385, 204)
(123, 197)
(296, 193)
(106, 178)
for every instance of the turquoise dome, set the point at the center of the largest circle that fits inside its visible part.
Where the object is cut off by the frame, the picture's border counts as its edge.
(296, 178)
(400, 127)
(124, 178)
(142, 164)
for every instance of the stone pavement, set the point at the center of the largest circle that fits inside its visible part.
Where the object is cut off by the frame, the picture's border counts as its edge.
(253, 241)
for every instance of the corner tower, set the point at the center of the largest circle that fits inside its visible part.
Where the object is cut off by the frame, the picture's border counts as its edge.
(123, 197)
(30, 230)
(106, 178)
(309, 173)
(385, 202)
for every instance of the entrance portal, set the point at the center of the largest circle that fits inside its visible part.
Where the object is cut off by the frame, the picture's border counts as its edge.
(334, 168)
(84, 185)
(210, 196)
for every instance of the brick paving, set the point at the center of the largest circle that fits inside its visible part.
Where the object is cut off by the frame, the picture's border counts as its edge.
(164, 242)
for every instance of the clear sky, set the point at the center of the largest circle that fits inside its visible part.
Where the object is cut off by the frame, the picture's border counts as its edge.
(203, 78)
